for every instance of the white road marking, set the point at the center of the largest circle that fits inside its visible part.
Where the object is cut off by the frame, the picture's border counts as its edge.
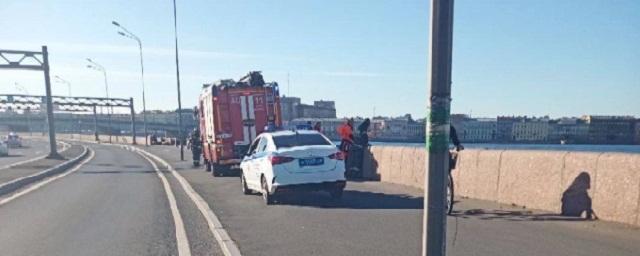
(181, 234)
(65, 146)
(47, 181)
(229, 247)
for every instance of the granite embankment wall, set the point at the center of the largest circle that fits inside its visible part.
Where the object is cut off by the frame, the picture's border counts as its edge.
(556, 181)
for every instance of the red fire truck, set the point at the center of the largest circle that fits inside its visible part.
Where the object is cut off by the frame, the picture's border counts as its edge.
(232, 114)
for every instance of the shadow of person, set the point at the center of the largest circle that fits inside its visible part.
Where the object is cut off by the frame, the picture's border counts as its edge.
(575, 200)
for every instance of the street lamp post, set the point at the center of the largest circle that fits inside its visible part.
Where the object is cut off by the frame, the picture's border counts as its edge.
(62, 81)
(438, 124)
(95, 66)
(126, 33)
(27, 111)
(175, 29)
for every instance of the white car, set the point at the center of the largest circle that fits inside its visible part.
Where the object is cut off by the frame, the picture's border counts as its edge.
(13, 140)
(4, 149)
(292, 160)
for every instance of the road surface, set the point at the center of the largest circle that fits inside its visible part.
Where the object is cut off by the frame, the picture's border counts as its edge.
(385, 219)
(116, 204)
(113, 205)
(31, 149)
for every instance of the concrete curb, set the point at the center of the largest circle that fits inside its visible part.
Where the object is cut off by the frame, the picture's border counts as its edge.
(13, 185)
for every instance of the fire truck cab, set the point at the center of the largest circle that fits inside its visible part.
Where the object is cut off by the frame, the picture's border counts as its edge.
(232, 114)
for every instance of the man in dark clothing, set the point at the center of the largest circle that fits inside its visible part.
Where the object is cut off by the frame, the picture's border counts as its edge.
(318, 127)
(196, 146)
(453, 136)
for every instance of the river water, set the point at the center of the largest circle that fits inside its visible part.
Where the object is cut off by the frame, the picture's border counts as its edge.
(580, 148)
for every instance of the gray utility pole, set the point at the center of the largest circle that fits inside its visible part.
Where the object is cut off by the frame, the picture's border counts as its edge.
(62, 81)
(434, 237)
(126, 33)
(175, 28)
(133, 122)
(50, 121)
(95, 123)
(98, 67)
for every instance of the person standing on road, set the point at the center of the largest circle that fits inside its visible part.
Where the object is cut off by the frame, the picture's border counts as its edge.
(363, 128)
(318, 127)
(346, 135)
(453, 136)
(196, 146)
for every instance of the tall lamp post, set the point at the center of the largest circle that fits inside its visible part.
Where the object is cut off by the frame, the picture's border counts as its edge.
(62, 81)
(438, 124)
(175, 29)
(27, 111)
(126, 33)
(95, 66)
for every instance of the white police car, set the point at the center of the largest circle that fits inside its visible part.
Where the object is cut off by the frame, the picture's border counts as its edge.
(292, 160)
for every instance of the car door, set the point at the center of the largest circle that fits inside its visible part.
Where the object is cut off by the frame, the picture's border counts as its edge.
(247, 164)
(257, 163)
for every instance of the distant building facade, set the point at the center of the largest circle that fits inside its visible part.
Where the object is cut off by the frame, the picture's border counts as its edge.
(292, 108)
(531, 130)
(637, 131)
(289, 107)
(610, 129)
(568, 130)
(477, 130)
(504, 127)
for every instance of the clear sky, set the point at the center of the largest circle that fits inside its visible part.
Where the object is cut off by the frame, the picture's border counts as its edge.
(535, 57)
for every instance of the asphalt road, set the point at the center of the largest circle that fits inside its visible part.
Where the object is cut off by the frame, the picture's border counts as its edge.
(386, 219)
(30, 149)
(113, 205)
(116, 205)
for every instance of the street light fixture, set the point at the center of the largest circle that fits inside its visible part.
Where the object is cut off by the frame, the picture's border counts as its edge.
(95, 66)
(126, 33)
(60, 80)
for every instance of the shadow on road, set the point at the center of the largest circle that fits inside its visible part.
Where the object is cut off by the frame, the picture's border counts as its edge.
(352, 199)
(117, 172)
(512, 215)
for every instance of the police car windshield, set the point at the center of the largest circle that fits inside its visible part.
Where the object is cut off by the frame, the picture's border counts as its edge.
(295, 140)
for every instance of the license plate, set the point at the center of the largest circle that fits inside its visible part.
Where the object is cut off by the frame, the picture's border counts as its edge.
(311, 161)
